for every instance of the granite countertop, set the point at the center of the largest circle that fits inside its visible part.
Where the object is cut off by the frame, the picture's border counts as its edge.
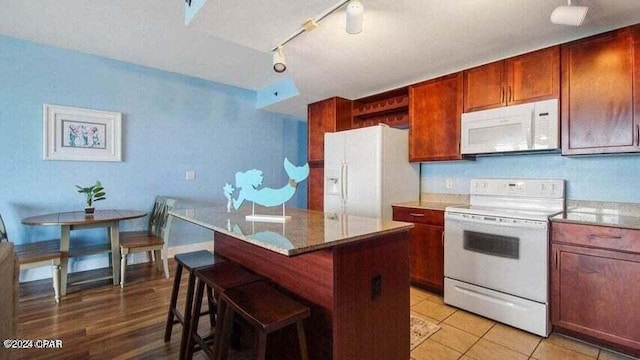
(440, 202)
(428, 205)
(613, 214)
(306, 230)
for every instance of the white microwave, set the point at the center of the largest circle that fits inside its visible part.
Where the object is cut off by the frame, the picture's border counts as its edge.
(526, 127)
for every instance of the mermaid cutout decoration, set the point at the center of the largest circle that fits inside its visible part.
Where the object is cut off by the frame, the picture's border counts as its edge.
(248, 185)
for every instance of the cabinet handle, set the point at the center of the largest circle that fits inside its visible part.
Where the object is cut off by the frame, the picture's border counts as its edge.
(502, 95)
(416, 214)
(601, 236)
(509, 99)
(442, 239)
(556, 255)
(638, 135)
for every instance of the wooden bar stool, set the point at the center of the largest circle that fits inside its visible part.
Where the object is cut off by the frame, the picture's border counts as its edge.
(190, 261)
(219, 278)
(264, 307)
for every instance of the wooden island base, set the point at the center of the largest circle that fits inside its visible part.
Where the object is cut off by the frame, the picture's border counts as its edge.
(358, 294)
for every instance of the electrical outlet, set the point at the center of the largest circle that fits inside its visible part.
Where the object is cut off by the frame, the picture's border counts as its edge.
(190, 175)
(450, 183)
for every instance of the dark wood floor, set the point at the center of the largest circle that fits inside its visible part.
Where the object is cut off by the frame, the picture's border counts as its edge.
(100, 321)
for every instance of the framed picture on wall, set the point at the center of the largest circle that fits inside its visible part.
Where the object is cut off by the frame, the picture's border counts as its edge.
(81, 134)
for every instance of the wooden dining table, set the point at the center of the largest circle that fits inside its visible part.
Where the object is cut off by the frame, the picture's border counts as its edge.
(77, 220)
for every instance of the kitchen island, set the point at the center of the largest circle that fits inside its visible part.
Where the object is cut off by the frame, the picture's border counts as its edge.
(353, 272)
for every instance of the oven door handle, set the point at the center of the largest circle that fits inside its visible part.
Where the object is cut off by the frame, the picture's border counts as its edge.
(521, 225)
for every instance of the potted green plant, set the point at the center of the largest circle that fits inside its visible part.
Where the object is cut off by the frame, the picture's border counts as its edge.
(92, 194)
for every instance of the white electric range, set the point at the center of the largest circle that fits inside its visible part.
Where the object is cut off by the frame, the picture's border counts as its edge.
(496, 251)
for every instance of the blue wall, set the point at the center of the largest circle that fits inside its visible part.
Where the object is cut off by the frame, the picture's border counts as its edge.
(171, 124)
(601, 178)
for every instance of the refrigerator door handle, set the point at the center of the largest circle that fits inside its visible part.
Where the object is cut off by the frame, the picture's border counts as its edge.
(343, 182)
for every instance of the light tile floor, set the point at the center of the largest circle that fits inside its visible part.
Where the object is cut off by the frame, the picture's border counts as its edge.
(467, 336)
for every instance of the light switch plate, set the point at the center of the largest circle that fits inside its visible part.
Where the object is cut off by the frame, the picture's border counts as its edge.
(190, 175)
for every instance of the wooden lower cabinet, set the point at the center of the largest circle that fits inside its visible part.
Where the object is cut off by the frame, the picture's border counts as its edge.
(595, 272)
(427, 256)
(426, 252)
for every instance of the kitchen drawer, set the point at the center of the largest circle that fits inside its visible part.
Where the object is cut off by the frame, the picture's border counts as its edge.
(418, 215)
(602, 237)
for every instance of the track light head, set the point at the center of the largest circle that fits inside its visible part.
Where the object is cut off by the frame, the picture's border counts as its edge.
(569, 15)
(354, 18)
(279, 61)
(355, 14)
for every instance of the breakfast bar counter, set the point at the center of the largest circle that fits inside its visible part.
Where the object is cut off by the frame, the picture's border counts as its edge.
(353, 272)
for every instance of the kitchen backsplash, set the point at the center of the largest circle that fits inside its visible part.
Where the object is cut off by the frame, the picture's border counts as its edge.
(601, 178)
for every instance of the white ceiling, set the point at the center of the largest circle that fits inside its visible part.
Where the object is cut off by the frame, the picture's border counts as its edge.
(403, 41)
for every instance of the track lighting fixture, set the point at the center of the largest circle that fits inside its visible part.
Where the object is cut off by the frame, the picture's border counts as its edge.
(279, 61)
(354, 17)
(569, 15)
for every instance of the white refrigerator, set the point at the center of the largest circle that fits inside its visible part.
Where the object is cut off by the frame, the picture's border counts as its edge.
(368, 169)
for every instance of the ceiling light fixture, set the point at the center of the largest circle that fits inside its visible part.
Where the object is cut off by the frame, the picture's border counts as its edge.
(569, 15)
(279, 61)
(354, 17)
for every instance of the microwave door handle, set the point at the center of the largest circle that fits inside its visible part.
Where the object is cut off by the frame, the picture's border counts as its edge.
(530, 133)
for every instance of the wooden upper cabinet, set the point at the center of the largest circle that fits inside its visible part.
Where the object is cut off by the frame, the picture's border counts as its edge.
(329, 115)
(435, 109)
(521, 79)
(324, 116)
(533, 76)
(598, 94)
(484, 87)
